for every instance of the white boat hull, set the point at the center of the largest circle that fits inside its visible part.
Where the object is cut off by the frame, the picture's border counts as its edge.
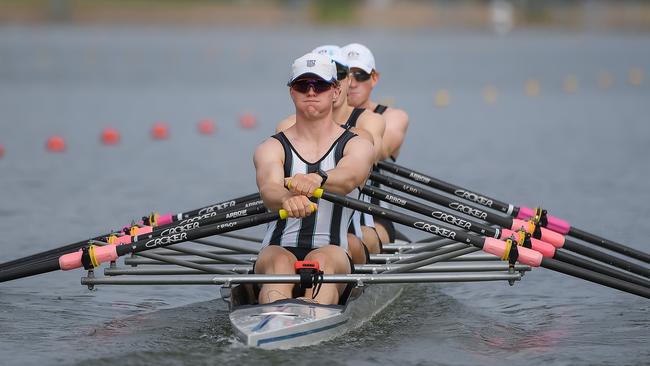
(294, 323)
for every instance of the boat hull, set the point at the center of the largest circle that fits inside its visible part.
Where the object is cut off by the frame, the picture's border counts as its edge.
(293, 323)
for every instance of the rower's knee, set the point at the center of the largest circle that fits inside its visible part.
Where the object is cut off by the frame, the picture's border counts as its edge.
(371, 239)
(331, 259)
(275, 260)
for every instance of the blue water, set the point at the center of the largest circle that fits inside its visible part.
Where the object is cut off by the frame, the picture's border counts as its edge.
(582, 155)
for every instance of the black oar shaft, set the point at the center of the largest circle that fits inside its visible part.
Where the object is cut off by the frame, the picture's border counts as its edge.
(461, 207)
(606, 258)
(554, 223)
(244, 203)
(479, 242)
(506, 222)
(141, 244)
(595, 277)
(609, 244)
(485, 230)
(567, 257)
(448, 187)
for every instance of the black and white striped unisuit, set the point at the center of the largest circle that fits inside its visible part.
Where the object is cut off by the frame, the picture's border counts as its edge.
(358, 218)
(330, 223)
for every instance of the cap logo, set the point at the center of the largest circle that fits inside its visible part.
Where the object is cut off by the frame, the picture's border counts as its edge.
(311, 63)
(353, 55)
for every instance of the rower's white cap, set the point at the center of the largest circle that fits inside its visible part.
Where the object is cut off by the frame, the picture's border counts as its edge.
(334, 52)
(315, 64)
(359, 56)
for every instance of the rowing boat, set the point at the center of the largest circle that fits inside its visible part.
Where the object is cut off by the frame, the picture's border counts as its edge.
(296, 322)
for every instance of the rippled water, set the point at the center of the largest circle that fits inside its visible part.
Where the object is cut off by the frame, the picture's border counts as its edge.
(583, 155)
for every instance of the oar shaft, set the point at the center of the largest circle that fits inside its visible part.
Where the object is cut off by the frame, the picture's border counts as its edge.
(490, 245)
(553, 223)
(448, 187)
(75, 246)
(541, 247)
(242, 209)
(595, 277)
(439, 199)
(609, 244)
(112, 252)
(606, 258)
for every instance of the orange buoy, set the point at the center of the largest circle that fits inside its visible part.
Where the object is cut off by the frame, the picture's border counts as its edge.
(206, 126)
(160, 131)
(247, 121)
(56, 144)
(2, 151)
(110, 136)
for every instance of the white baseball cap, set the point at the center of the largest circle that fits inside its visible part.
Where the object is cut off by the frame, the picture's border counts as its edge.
(334, 52)
(359, 56)
(315, 64)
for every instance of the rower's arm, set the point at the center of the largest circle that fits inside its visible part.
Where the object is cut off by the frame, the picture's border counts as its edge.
(397, 122)
(353, 168)
(376, 126)
(269, 169)
(286, 123)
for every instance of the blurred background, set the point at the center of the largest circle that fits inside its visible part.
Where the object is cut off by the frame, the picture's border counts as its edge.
(112, 109)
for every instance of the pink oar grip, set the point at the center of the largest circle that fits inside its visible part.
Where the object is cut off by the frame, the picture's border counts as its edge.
(143, 230)
(526, 256)
(551, 237)
(545, 248)
(70, 261)
(165, 219)
(124, 239)
(554, 223)
(102, 254)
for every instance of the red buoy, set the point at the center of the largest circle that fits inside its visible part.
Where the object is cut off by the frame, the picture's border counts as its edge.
(2, 151)
(247, 121)
(206, 126)
(110, 136)
(56, 144)
(160, 131)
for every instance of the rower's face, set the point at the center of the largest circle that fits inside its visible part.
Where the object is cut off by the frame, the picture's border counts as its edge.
(344, 84)
(361, 85)
(313, 97)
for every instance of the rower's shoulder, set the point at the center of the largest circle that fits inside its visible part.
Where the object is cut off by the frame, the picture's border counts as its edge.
(286, 123)
(361, 133)
(368, 117)
(396, 114)
(269, 147)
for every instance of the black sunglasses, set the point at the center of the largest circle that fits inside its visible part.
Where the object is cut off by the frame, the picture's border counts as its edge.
(303, 85)
(341, 71)
(360, 75)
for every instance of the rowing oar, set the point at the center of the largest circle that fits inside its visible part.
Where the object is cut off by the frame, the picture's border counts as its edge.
(520, 212)
(153, 220)
(92, 256)
(520, 237)
(556, 239)
(149, 233)
(505, 250)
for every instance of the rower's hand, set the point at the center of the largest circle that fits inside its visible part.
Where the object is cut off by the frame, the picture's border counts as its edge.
(299, 206)
(303, 184)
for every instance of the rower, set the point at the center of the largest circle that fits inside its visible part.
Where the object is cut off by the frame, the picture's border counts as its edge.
(364, 78)
(363, 239)
(314, 152)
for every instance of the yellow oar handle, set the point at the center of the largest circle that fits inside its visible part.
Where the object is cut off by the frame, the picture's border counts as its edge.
(318, 193)
(284, 214)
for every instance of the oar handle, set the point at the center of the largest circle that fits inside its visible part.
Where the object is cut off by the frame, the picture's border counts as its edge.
(109, 253)
(554, 223)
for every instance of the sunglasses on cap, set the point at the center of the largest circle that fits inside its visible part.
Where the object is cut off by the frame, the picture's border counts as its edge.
(303, 85)
(360, 75)
(341, 71)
